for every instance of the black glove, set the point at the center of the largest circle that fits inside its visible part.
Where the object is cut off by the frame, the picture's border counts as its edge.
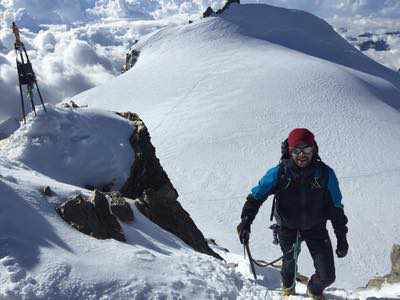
(342, 247)
(243, 230)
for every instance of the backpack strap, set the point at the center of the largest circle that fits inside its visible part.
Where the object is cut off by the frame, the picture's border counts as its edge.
(284, 181)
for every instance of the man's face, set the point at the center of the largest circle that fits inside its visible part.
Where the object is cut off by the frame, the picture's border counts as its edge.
(302, 155)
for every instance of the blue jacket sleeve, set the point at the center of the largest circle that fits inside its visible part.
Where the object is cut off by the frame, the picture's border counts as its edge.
(333, 187)
(266, 185)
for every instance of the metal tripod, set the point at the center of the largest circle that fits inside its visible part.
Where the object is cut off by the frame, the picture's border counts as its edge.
(26, 76)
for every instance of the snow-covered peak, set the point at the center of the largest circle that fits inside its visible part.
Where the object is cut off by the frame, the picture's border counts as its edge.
(304, 32)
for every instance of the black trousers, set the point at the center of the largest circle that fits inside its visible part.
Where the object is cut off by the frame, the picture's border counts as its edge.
(320, 247)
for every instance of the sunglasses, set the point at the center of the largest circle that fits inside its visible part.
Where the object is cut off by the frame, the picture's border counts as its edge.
(306, 150)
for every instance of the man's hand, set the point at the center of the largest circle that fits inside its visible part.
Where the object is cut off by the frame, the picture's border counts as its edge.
(243, 230)
(342, 247)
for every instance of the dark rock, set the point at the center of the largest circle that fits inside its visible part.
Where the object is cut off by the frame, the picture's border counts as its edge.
(90, 187)
(120, 208)
(214, 244)
(379, 45)
(375, 282)
(367, 35)
(91, 217)
(146, 172)
(395, 260)
(47, 191)
(149, 183)
(105, 188)
(162, 208)
(393, 276)
(131, 58)
(209, 12)
(108, 221)
(227, 5)
(393, 33)
(72, 104)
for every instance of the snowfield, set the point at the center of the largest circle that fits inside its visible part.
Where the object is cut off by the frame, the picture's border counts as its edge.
(218, 96)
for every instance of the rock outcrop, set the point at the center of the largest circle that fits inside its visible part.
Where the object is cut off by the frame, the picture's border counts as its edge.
(209, 12)
(393, 276)
(226, 5)
(131, 58)
(379, 45)
(92, 216)
(157, 198)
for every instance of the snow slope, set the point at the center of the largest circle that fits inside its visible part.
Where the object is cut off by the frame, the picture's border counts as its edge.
(220, 95)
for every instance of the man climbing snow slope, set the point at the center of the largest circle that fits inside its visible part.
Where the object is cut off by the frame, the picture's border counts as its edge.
(307, 194)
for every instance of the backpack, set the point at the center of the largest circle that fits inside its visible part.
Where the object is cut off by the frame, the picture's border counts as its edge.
(284, 179)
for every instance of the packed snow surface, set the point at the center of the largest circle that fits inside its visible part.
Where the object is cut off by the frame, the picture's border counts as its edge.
(88, 148)
(220, 95)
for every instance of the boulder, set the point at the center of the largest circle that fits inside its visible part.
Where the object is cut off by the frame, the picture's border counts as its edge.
(395, 260)
(375, 282)
(155, 194)
(91, 216)
(393, 276)
(47, 191)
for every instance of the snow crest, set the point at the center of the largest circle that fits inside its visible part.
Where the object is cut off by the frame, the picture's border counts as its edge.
(85, 148)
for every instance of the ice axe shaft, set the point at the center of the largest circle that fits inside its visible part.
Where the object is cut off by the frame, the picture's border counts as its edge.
(253, 269)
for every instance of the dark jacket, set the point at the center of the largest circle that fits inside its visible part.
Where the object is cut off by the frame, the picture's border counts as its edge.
(305, 197)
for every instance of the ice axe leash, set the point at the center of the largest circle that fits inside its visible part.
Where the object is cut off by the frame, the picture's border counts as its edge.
(26, 75)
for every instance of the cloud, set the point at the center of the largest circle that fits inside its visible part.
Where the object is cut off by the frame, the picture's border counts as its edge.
(67, 59)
